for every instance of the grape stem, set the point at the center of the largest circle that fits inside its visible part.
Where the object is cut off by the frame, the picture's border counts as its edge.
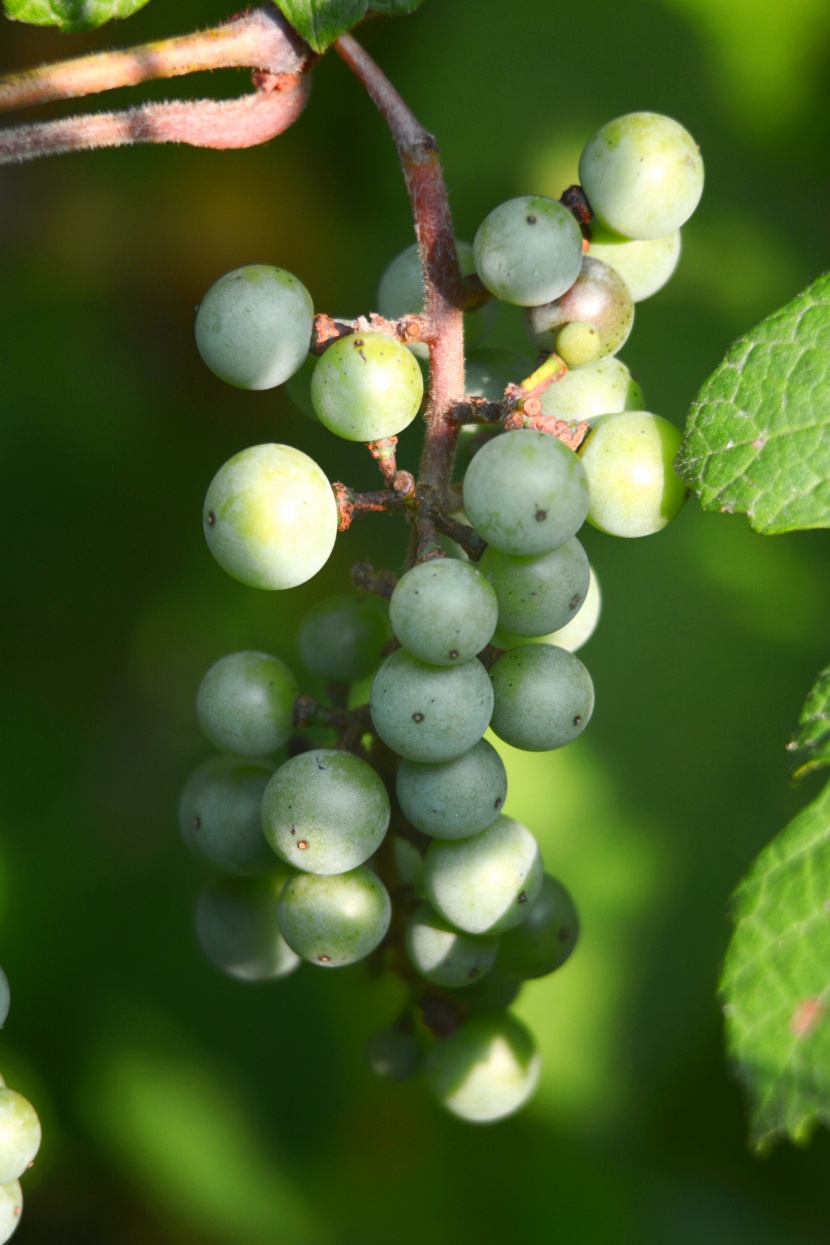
(326, 330)
(350, 724)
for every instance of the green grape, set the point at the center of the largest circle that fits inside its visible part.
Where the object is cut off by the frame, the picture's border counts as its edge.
(574, 634)
(543, 942)
(337, 919)
(430, 713)
(589, 321)
(445, 955)
(453, 799)
(644, 266)
(254, 326)
(538, 595)
(494, 992)
(342, 638)
(366, 386)
(298, 388)
(588, 393)
(270, 517)
(544, 697)
(642, 174)
(525, 492)
(5, 998)
(443, 611)
(401, 293)
(486, 1070)
(244, 703)
(628, 462)
(237, 928)
(325, 811)
(487, 883)
(393, 1054)
(488, 372)
(409, 863)
(19, 1135)
(11, 1208)
(219, 814)
(528, 251)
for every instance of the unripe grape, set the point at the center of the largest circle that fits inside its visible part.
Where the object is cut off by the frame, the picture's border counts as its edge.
(486, 1070)
(325, 811)
(544, 697)
(366, 386)
(238, 930)
(628, 462)
(5, 998)
(341, 638)
(590, 321)
(454, 799)
(645, 266)
(485, 884)
(409, 863)
(574, 634)
(591, 392)
(488, 372)
(19, 1135)
(430, 713)
(219, 814)
(393, 1054)
(543, 942)
(245, 701)
(443, 611)
(528, 251)
(270, 517)
(494, 992)
(445, 955)
(540, 594)
(11, 1208)
(642, 174)
(401, 293)
(334, 920)
(254, 325)
(525, 492)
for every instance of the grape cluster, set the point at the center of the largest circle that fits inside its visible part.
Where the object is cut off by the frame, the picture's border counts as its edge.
(393, 840)
(19, 1138)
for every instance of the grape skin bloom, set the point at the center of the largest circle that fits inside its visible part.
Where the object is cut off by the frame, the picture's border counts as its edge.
(544, 697)
(244, 703)
(366, 386)
(254, 325)
(591, 392)
(219, 814)
(443, 954)
(270, 518)
(628, 458)
(237, 928)
(486, 1070)
(645, 266)
(528, 250)
(453, 799)
(430, 713)
(334, 920)
(538, 595)
(443, 611)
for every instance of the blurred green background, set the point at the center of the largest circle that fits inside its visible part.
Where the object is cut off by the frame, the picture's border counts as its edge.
(179, 1106)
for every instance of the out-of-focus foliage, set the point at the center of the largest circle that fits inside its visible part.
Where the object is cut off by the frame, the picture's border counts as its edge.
(70, 15)
(811, 741)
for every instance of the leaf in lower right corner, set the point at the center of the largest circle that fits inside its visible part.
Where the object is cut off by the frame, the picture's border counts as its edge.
(776, 981)
(811, 741)
(758, 436)
(72, 16)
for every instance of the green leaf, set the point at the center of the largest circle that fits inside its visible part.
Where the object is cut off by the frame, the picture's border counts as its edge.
(811, 740)
(320, 22)
(395, 8)
(776, 981)
(758, 436)
(71, 15)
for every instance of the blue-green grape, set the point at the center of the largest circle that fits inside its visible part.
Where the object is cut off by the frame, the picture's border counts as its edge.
(270, 518)
(589, 321)
(544, 697)
(219, 814)
(544, 941)
(325, 811)
(409, 863)
(538, 595)
(5, 998)
(393, 1054)
(11, 1208)
(642, 174)
(342, 638)
(254, 325)
(430, 713)
(645, 266)
(401, 293)
(526, 493)
(298, 388)
(454, 799)
(574, 634)
(628, 458)
(528, 251)
(336, 919)
(591, 392)
(487, 883)
(19, 1135)
(443, 611)
(244, 703)
(237, 928)
(366, 386)
(494, 992)
(446, 955)
(486, 1070)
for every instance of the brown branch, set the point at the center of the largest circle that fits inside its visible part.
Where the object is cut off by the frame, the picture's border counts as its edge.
(381, 583)
(326, 330)
(352, 505)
